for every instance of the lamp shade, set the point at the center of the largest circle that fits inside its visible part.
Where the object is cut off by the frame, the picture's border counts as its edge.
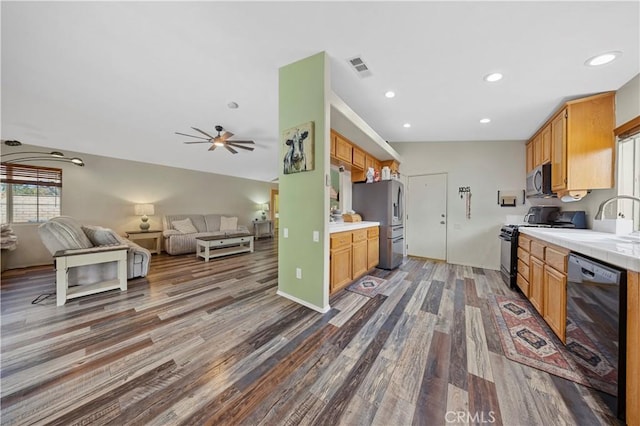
(144, 209)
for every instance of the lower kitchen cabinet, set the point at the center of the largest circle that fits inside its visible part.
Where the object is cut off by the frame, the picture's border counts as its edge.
(373, 247)
(555, 301)
(351, 255)
(359, 253)
(536, 283)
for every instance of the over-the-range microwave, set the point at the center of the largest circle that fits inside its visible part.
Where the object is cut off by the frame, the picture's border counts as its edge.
(539, 182)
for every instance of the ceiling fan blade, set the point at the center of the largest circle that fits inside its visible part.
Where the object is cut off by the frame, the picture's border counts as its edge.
(204, 133)
(252, 142)
(231, 149)
(229, 143)
(190, 142)
(226, 135)
(213, 147)
(191, 136)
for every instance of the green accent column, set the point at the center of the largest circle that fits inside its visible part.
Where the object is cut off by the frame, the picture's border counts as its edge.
(304, 197)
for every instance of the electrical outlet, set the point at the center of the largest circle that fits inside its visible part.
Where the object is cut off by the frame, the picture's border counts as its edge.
(316, 236)
(286, 232)
(299, 273)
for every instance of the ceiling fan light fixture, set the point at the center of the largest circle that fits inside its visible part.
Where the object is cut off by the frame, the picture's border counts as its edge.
(218, 143)
(493, 77)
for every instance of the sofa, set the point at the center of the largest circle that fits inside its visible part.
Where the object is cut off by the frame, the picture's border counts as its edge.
(66, 233)
(179, 239)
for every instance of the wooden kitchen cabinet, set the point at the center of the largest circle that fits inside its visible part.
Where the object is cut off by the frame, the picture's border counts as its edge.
(559, 152)
(529, 156)
(555, 301)
(351, 255)
(583, 144)
(344, 150)
(332, 151)
(358, 159)
(536, 284)
(373, 247)
(393, 165)
(339, 261)
(545, 140)
(537, 150)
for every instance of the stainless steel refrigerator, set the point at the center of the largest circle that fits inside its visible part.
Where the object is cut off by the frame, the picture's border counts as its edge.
(383, 202)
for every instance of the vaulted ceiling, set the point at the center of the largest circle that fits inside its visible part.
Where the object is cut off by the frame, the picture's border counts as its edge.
(119, 78)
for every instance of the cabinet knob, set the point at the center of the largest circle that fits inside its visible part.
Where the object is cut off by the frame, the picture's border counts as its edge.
(442, 222)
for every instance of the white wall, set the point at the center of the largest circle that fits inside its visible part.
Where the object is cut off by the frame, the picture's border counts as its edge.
(484, 166)
(105, 190)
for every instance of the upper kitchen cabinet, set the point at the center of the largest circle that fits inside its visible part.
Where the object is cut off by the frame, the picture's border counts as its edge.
(344, 150)
(578, 141)
(529, 162)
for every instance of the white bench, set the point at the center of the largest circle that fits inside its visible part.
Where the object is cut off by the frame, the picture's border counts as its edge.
(216, 246)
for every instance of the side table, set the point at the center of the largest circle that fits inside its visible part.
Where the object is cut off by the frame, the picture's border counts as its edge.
(262, 228)
(152, 234)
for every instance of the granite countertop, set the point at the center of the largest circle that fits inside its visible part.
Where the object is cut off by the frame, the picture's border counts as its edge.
(619, 250)
(350, 226)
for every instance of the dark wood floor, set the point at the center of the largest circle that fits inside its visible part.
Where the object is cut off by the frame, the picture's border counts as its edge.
(212, 343)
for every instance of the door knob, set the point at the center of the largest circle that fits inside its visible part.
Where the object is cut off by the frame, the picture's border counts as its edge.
(442, 222)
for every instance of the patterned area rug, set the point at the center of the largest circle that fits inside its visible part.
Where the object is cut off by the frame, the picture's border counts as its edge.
(527, 339)
(368, 286)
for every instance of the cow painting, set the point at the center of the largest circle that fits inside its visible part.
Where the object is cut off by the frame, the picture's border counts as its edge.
(298, 149)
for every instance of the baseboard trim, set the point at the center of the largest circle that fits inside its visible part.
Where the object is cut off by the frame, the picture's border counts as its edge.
(303, 302)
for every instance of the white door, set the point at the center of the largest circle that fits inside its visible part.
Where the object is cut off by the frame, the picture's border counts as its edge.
(427, 216)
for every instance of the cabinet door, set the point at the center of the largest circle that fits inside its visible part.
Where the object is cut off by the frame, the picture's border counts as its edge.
(545, 140)
(537, 151)
(343, 150)
(529, 161)
(536, 284)
(373, 252)
(333, 144)
(358, 158)
(359, 261)
(559, 152)
(340, 270)
(555, 301)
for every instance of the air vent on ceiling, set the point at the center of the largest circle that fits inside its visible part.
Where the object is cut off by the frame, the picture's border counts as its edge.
(360, 67)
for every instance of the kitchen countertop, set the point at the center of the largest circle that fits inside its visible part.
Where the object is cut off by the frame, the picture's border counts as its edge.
(350, 226)
(619, 250)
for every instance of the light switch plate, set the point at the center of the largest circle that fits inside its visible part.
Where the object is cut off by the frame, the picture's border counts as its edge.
(286, 232)
(316, 236)
(299, 273)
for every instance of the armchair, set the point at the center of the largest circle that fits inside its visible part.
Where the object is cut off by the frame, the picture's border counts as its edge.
(90, 259)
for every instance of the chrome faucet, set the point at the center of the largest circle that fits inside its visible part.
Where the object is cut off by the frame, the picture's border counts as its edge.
(605, 202)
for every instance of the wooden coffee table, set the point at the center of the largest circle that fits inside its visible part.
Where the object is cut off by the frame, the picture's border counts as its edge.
(223, 245)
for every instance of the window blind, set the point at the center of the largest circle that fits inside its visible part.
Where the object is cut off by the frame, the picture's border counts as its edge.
(30, 175)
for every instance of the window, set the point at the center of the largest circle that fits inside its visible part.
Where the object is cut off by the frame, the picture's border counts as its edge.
(629, 178)
(30, 194)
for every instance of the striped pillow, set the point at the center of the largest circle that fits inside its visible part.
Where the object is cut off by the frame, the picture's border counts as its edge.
(185, 226)
(100, 236)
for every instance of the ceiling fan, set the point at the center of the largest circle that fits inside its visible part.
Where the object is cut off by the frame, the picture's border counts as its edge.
(219, 140)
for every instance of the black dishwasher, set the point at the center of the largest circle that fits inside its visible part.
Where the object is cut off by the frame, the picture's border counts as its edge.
(597, 325)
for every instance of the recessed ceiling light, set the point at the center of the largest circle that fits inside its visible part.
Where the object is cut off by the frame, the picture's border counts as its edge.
(390, 94)
(485, 120)
(232, 105)
(406, 125)
(602, 59)
(493, 77)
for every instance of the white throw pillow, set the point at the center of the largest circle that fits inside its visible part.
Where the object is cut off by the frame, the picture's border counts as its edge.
(100, 236)
(185, 226)
(228, 223)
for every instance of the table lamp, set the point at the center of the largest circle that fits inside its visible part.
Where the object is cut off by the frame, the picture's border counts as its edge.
(144, 210)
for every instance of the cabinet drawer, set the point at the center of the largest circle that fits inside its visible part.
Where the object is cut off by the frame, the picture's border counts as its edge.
(523, 284)
(556, 259)
(373, 232)
(340, 239)
(359, 235)
(523, 256)
(537, 250)
(523, 269)
(524, 242)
